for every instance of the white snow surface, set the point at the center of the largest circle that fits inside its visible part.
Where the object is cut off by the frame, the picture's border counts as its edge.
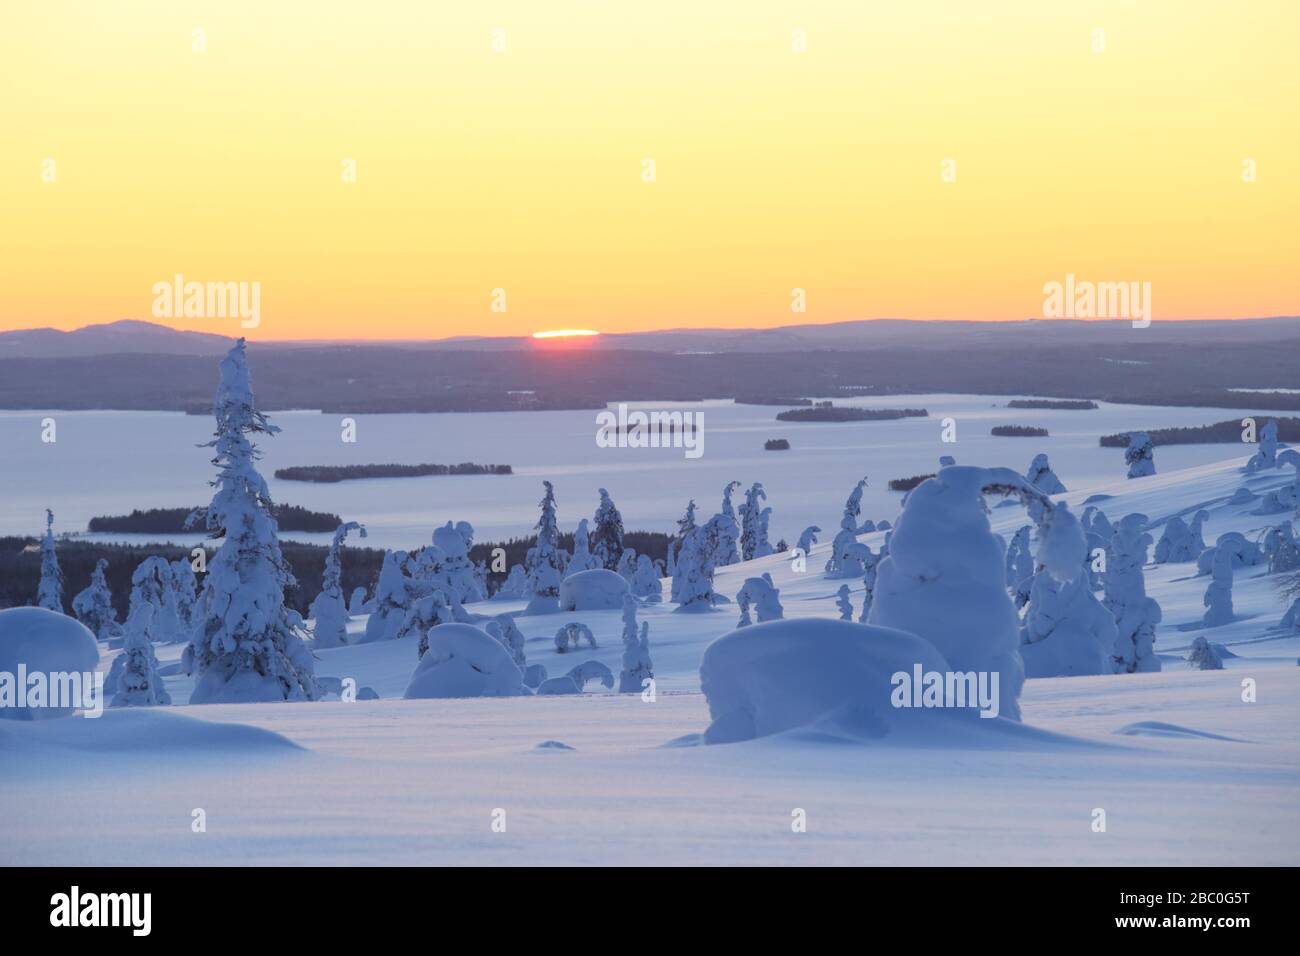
(1187, 770)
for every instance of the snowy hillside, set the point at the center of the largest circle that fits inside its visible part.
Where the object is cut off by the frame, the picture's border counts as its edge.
(1185, 769)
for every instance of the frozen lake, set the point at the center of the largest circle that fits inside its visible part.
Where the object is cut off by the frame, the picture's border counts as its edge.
(110, 462)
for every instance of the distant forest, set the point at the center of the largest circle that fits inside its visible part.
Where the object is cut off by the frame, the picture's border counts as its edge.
(380, 378)
(329, 474)
(20, 565)
(1288, 430)
(825, 412)
(907, 484)
(1063, 404)
(1018, 431)
(172, 521)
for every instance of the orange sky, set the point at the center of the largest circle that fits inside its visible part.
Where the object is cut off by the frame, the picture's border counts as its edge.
(501, 177)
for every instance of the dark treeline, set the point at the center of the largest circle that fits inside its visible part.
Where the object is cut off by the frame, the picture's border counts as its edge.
(172, 521)
(1288, 430)
(825, 412)
(20, 565)
(1018, 431)
(329, 474)
(776, 444)
(1064, 404)
(907, 484)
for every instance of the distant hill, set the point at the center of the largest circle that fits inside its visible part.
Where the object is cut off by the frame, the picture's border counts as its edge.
(112, 338)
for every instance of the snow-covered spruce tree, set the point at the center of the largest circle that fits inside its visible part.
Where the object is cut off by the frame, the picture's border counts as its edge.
(151, 583)
(1140, 455)
(1203, 656)
(842, 603)
(1287, 497)
(1195, 536)
(1020, 566)
(762, 546)
(645, 583)
(392, 600)
(1066, 631)
(607, 539)
(49, 592)
(94, 606)
(185, 587)
(1041, 476)
(328, 609)
(637, 668)
(504, 629)
(247, 645)
(1218, 595)
(516, 583)
(808, 539)
(1136, 615)
(138, 683)
(583, 559)
(1245, 553)
(693, 582)
(749, 521)
(720, 536)
(1173, 540)
(1094, 521)
(870, 563)
(763, 596)
(544, 563)
(1281, 549)
(945, 576)
(1266, 453)
(725, 533)
(357, 603)
(627, 564)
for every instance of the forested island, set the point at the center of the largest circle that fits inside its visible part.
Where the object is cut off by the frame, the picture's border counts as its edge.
(1288, 430)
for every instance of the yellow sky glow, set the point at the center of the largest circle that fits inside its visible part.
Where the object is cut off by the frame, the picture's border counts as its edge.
(518, 177)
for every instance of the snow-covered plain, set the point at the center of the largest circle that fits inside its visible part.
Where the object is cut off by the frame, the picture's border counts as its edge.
(1185, 769)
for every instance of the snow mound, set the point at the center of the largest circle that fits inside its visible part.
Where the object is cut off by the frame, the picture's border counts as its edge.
(463, 661)
(148, 732)
(595, 590)
(784, 675)
(43, 642)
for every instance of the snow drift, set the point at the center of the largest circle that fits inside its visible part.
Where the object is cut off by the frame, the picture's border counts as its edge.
(463, 661)
(47, 643)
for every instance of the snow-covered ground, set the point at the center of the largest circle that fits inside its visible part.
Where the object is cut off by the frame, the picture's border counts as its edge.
(1186, 771)
(166, 469)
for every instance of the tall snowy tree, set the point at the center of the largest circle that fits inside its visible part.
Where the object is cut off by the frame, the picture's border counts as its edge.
(49, 592)
(607, 539)
(138, 683)
(94, 606)
(1266, 454)
(545, 565)
(247, 646)
(151, 583)
(186, 590)
(637, 668)
(727, 545)
(692, 588)
(328, 609)
(944, 578)
(1140, 455)
(1136, 615)
(1041, 476)
(750, 521)
(583, 559)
